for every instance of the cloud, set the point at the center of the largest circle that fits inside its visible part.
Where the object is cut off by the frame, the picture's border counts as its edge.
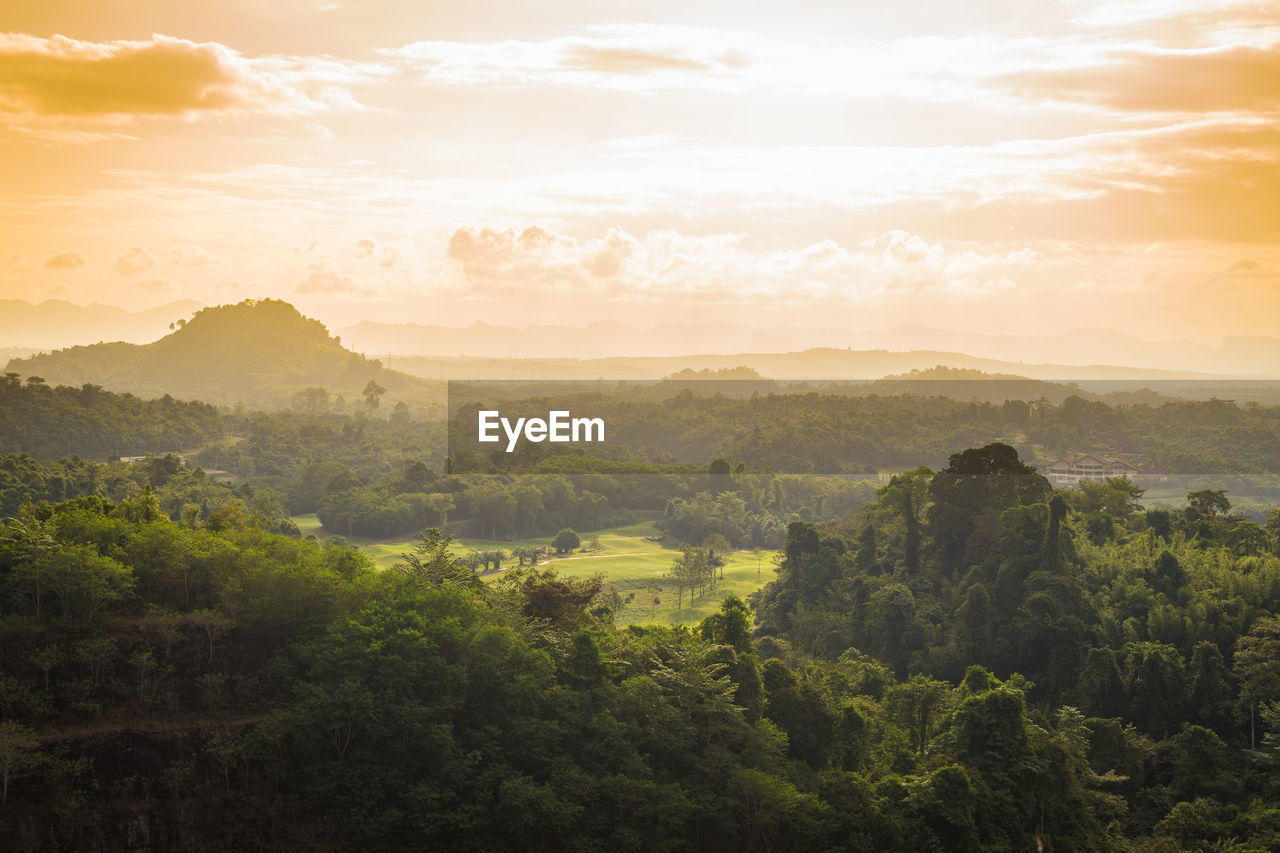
(65, 261)
(325, 280)
(195, 258)
(668, 263)
(623, 56)
(59, 136)
(1211, 179)
(64, 77)
(615, 60)
(1247, 270)
(135, 261)
(368, 249)
(1219, 79)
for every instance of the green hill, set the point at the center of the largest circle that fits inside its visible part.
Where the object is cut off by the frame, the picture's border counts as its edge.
(258, 352)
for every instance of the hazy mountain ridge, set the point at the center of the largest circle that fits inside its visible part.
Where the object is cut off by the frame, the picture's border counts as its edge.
(1237, 356)
(25, 327)
(263, 352)
(55, 323)
(257, 352)
(824, 363)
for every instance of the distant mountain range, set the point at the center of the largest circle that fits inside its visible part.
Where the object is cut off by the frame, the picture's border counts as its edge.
(1236, 356)
(260, 353)
(824, 363)
(264, 352)
(602, 339)
(54, 323)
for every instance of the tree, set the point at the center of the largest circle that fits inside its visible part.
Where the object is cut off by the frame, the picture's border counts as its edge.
(1211, 687)
(731, 626)
(560, 600)
(227, 750)
(653, 590)
(975, 624)
(1273, 530)
(212, 623)
(908, 494)
(1117, 497)
(430, 562)
(144, 662)
(1257, 665)
(917, 704)
(690, 571)
(494, 506)
(440, 504)
(800, 710)
(991, 734)
(566, 540)
(718, 549)
(1168, 576)
(31, 540)
(1100, 688)
(1156, 685)
(311, 401)
(19, 752)
(1209, 503)
(47, 659)
(1160, 522)
(372, 395)
(976, 483)
(719, 475)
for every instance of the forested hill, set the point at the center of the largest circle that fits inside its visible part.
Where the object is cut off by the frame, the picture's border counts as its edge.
(258, 352)
(50, 422)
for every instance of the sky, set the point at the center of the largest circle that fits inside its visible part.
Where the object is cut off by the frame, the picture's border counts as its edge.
(994, 166)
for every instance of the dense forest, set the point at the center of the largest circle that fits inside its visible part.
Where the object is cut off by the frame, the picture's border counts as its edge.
(969, 661)
(828, 432)
(380, 471)
(51, 422)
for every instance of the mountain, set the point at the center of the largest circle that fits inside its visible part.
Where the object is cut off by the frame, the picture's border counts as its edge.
(605, 338)
(825, 363)
(259, 352)
(915, 372)
(1253, 357)
(55, 323)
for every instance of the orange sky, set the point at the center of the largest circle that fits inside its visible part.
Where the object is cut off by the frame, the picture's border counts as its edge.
(996, 165)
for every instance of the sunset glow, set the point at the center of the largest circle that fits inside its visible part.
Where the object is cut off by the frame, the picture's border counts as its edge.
(998, 167)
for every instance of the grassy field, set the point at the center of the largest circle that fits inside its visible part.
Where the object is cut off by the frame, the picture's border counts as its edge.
(632, 566)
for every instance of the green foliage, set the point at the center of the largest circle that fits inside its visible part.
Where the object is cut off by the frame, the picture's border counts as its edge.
(911, 696)
(566, 540)
(50, 422)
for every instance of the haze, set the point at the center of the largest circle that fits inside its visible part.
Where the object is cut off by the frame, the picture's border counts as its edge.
(1000, 168)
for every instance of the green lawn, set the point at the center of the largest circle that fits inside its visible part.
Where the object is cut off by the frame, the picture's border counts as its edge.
(631, 566)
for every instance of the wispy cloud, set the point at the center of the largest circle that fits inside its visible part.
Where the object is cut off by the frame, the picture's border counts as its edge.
(60, 77)
(665, 263)
(65, 261)
(1218, 79)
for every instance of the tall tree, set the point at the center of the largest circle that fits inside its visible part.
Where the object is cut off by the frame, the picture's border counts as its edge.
(1257, 665)
(908, 495)
(431, 563)
(986, 480)
(373, 395)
